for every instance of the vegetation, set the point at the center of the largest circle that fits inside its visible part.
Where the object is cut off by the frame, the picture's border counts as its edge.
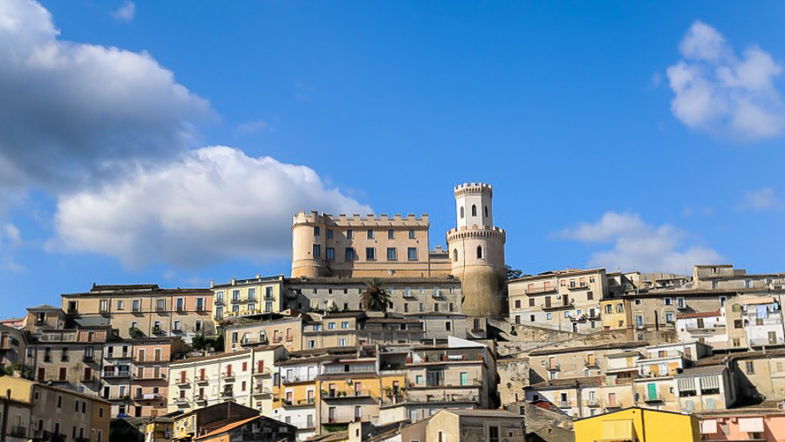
(375, 297)
(513, 273)
(201, 342)
(136, 333)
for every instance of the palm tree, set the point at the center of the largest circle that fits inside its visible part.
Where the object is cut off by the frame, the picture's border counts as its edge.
(375, 298)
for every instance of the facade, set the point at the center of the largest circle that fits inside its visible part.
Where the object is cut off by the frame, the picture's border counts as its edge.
(148, 387)
(191, 425)
(364, 247)
(706, 388)
(13, 346)
(247, 297)
(638, 424)
(408, 295)
(565, 300)
(244, 377)
(252, 429)
(466, 425)
(572, 362)
(350, 390)
(44, 412)
(743, 424)
(286, 331)
(145, 310)
(333, 330)
(477, 251)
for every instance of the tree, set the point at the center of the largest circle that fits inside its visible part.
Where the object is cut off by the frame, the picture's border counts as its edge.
(513, 273)
(375, 297)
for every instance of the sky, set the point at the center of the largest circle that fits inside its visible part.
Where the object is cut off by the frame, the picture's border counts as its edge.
(159, 142)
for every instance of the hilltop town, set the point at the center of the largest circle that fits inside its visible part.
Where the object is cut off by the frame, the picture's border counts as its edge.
(380, 334)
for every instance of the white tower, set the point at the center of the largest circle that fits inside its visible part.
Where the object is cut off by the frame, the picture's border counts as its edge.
(477, 251)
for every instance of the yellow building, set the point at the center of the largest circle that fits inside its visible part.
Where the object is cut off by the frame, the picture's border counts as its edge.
(640, 425)
(244, 297)
(614, 314)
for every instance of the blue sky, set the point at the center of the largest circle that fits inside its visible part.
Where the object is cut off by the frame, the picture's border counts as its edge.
(634, 136)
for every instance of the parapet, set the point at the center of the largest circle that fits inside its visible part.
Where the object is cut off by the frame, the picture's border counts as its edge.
(475, 232)
(465, 188)
(344, 220)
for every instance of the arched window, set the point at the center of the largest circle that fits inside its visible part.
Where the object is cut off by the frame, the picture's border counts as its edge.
(455, 255)
(479, 252)
(486, 211)
(609, 308)
(461, 212)
(474, 210)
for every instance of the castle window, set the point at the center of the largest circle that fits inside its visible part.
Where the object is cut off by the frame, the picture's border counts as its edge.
(391, 234)
(479, 252)
(349, 234)
(474, 210)
(411, 253)
(315, 230)
(486, 211)
(455, 255)
(370, 253)
(461, 212)
(350, 254)
(330, 254)
(370, 234)
(411, 234)
(317, 251)
(330, 233)
(392, 254)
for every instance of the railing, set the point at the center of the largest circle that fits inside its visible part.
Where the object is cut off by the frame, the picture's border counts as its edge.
(578, 286)
(119, 374)
(261, 391)
(592, 403)
(87, 358)
(201, 380)
(227, 394)
(148, 397)
(555, 366)
(616, 404)
(591, 363)
(564, 404)
(264, 372)
(228, 375)
(534, 291)
(181, 381)
(181, 400)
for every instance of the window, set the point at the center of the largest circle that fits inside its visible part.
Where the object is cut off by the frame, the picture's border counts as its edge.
(391, 234)
(330, 254)
(342, 342)
(392, 254)
(464, 376)
(462, 214)
(330, 234)
(370, 253)
(349, 234)
(330, 326)
(160, 304)
(531, 318)
(447, 326)
(493, 434)
(120, 305)
(180, 303)
(455, 255)
(316, 230)
(369, 234)
(737, 323)
(668, 317)
(411, 234)
(317, 251)
(620, 308)
(531, 302)
(350, 254)
(485, 209)
(411, 253)
(479, 252)
(549, 316)
(608, 308)
(680, 303)
(589, 295)
(749, 367)
(345, 324)
(517, 303)
(199, 304)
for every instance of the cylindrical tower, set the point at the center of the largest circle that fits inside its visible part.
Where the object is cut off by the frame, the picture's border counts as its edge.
(309, 245)
(477, 251)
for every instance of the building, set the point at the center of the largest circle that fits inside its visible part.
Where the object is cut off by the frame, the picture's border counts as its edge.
(278, 330)
(116, 376)
(566, 300)
(246, 297)
(761, 320)
(582, 361)
(638, 424)
(706, 388)
(707, 327)
(252, 429)
(244, 377)
(43, 412)
(759, 375)
(748, 423)
(364, 247)
(202, 421)
(332, 330)
(474, 425)
(407, 295)
(13, 345)
(145, 310)
(69, 357)
(150, 373)
(725, 277)
(398, 247)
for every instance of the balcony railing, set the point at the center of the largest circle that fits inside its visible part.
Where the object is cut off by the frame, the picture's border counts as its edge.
(181, 401)
(183, 382)
(554, 366)
(264, 372)
(228, 375)
(148, 397)
(87, 358)
(591, 363)
(261, 391)
(116, 375)
(592, 403)
(537, 290)
(564, 404)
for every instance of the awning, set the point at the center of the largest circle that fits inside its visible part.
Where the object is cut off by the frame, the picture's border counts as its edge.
(709, 426)
(708, 382)
(617, 430)
(751, 424)
(686, 384)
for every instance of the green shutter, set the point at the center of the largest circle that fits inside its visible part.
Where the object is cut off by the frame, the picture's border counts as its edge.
(652, 391)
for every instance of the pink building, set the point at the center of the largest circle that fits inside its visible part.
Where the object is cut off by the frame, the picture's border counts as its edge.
(754, 424)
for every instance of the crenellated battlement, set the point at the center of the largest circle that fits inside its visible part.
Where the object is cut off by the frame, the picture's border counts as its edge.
(465, 188)
(475, 231)
(357, 220)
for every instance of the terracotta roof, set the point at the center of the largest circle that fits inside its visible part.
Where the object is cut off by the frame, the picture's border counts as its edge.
(228, 427)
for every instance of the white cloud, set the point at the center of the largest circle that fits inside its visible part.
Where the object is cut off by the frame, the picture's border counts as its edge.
(10, 239)
(78, 114)
(722, 93)
(213, 203)
(12, 234)
(126, 12)
(761, 199)
(638, 245)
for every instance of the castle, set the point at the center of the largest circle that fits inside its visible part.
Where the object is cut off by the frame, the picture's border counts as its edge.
(399, 247)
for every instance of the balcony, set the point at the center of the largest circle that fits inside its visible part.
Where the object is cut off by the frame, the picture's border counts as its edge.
(558, 307)
(227, 395)
(538, 290)
(652, 398)
(564, 404)
(613, 405)
(591, 363)
(592, 403)
(158, 331)
(148, 397)
(228, 376)
(265, 372)
(87, 358)
(219, 301)
(298, 403)
(117, 375)
(125, 355)
(578, 286)
(202, 381)
(277, 339)
(295, 379)
(409, 295)
(181, 401)
(262, 391)
(554, 366)
(201, 400)
(183, 382)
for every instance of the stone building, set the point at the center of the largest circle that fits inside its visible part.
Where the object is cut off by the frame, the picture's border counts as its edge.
(246, 297)
(150, 373)
(566, 300)
(145, 309)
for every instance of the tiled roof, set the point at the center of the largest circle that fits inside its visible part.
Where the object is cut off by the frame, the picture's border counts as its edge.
(228, 427)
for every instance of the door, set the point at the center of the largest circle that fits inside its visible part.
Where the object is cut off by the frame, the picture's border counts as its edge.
(41, 374)
(547, 301)
(772, 337)
(652, 391)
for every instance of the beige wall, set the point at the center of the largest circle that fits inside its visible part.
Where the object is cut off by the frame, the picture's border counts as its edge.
(248, 297)
(286, 332)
